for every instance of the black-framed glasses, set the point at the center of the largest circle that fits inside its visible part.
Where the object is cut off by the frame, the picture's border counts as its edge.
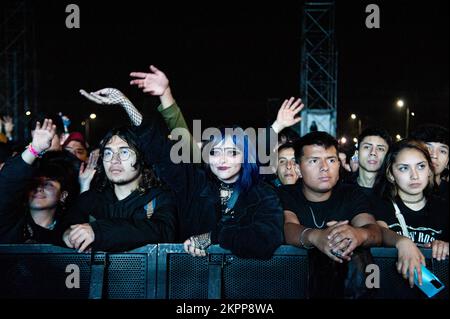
(124, 154)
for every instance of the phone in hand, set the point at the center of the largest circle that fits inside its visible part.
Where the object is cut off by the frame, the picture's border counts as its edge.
(431, 284)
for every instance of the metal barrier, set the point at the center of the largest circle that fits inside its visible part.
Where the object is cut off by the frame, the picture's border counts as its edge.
(165, 271)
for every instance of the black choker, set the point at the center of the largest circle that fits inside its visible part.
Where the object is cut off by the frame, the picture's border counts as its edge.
(415, 202)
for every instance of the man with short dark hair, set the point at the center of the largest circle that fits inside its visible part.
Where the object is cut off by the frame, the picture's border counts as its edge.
(319, 213)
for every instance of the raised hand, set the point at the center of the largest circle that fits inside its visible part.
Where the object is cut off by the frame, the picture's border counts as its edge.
(43, 135)
(287, 114)
(111, 96)
(107, 96)
(155, 83)
(87, 171)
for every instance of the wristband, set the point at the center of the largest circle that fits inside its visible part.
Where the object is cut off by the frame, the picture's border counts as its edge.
(34, 152)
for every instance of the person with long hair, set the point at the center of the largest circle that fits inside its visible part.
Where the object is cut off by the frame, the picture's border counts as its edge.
(126, 207)
(226, 203)
(410, 208)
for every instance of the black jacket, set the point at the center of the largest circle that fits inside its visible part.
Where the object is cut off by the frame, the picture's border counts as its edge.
(257, 227)
(16, 224)
(124, 225)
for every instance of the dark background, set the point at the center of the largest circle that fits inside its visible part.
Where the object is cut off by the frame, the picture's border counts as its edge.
(225, 59)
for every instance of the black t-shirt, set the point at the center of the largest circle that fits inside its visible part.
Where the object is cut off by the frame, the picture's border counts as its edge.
(370, 192)
(424, 226)
(345, 202)
(443, 190)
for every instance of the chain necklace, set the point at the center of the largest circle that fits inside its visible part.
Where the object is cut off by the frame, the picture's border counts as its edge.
(226, 190)
(314, 219)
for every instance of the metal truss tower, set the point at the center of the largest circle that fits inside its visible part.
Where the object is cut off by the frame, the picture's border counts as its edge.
(318, 78)
(18, 83)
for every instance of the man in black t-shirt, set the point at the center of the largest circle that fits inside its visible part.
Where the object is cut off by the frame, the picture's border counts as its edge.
(333, 219)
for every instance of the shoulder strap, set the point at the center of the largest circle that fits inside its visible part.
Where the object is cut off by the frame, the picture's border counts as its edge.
(401, 220)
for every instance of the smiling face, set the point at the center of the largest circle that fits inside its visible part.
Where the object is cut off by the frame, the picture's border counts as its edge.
(46, 194)
(439, 156)
(372, 151)
(410, 172)
(118, 162)
(287, 166)
(225, 161)
(319, 168)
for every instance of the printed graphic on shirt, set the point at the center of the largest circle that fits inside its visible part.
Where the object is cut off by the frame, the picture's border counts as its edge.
(419, 235)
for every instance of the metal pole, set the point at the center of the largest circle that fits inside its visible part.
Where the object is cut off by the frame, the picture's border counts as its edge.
(359, 127)
(407, 121)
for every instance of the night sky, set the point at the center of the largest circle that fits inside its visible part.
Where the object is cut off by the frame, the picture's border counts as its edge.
(226, 59)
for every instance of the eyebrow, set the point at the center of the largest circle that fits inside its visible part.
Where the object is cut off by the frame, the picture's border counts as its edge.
(422, 162)
(317, 157)
(366, 143)
(120, 147)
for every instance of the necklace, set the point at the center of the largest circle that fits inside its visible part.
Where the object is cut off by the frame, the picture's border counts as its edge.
(314, 219)
(413, 202)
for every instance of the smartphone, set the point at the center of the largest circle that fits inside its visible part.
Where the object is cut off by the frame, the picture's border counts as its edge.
(431, 284)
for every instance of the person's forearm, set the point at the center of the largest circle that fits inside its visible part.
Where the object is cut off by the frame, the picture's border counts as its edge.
(371, 235)
(167, 99)
(389, 237)
(292, 233)
(133, 113)
(28, 157)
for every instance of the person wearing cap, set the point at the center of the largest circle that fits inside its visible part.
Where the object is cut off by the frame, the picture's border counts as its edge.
(76, 145)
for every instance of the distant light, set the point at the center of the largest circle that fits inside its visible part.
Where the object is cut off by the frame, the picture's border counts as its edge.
(83, 123)
(27, 113)
(343, 140)
(412, 114)
(355, 140)
(400, 103)
(353, 116)
(398, 137)
(93, 116)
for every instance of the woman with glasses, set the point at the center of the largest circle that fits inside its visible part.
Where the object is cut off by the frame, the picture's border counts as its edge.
(126, 208)
(224, 204)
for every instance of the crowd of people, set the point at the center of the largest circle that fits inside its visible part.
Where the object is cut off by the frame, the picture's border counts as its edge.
(128, 192)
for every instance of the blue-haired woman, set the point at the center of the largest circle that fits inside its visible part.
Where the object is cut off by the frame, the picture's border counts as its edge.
(226, 203)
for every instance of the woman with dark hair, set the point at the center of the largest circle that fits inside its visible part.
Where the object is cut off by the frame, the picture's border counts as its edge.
(226, 204)
(126, 208)
(410, 209)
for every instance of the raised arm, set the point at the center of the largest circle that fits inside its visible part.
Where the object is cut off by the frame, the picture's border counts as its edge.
(156, 83)
(110, 96)
(16, 173)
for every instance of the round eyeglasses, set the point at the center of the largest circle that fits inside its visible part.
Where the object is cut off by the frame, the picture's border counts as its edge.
(123, 154)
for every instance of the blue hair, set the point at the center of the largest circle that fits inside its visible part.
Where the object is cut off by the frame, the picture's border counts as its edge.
(249, 173)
